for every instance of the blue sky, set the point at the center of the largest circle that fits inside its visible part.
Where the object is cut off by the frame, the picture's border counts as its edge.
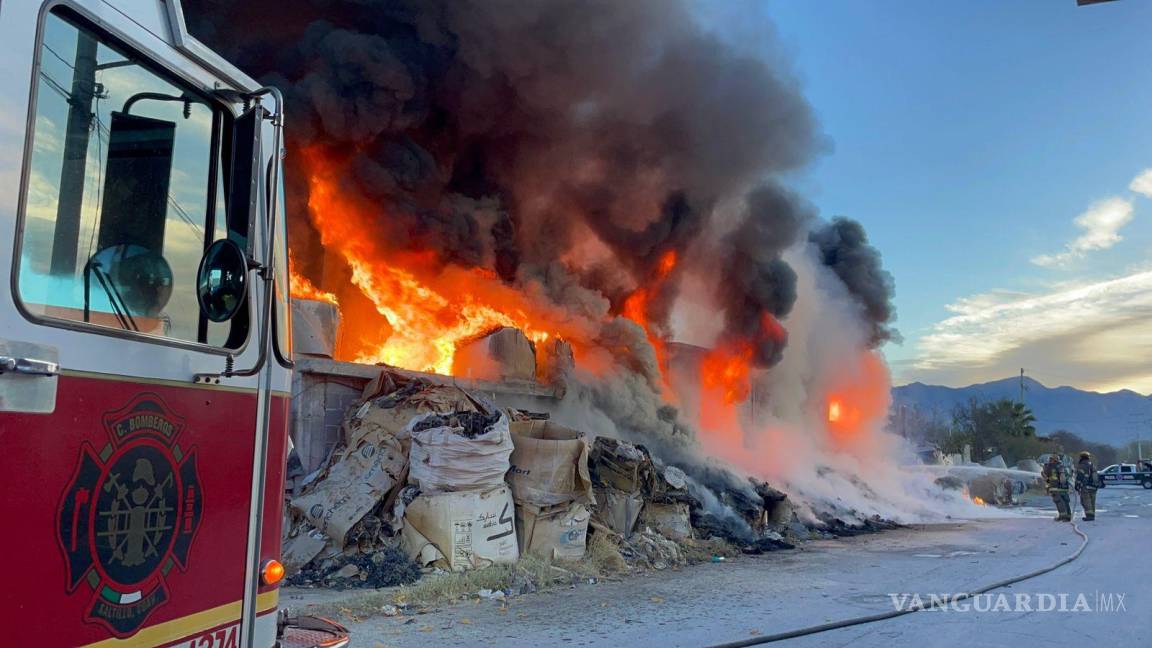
(967, 136)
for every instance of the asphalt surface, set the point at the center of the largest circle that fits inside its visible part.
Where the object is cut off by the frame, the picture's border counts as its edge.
(836, 579)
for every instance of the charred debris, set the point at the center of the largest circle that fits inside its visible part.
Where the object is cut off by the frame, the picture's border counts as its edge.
(430, 477)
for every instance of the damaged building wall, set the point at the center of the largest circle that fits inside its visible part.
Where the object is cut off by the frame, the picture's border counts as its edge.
(505, 354)
(315, 328)
(324, 389)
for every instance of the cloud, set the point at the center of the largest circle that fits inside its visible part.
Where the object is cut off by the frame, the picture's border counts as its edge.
(1087, 333)
(1142, 184)
(1101, 224)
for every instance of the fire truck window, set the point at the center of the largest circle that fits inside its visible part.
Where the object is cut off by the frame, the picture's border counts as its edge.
(125, 191)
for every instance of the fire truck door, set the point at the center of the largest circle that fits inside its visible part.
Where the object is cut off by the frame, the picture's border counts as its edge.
(125, 485)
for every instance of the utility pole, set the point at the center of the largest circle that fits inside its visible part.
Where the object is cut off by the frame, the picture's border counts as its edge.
(1140, 447)
(1021, 385)
(73, 171)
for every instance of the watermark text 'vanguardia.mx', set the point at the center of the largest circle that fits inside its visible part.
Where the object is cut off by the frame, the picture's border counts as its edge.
(1017, 602)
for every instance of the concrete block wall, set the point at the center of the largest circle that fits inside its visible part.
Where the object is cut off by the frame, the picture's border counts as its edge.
(319, 403)
(323, 390)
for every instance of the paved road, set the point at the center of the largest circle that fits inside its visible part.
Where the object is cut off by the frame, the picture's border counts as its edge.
(832, 580)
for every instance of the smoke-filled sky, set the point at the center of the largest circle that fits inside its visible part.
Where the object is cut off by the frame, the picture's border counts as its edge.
(589, 154)
(995, 153)
(1000, 156)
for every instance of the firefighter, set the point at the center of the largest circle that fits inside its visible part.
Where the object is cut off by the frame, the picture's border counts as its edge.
(1056, 482)
(1087, 481)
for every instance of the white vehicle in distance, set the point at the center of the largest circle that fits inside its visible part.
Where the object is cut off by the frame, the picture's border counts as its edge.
(1128, 475)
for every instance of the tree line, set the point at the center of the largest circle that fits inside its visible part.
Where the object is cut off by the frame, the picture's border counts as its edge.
(1000, 427)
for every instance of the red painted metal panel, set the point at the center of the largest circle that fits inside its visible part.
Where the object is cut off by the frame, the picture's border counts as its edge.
(128, 490)
(274, 481)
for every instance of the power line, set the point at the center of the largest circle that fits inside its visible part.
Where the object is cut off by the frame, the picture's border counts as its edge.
(57, 55)
(54, 85)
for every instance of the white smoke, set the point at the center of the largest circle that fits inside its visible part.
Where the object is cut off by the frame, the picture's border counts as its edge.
(783, 434)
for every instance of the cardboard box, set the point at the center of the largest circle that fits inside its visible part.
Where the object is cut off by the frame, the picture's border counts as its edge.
(461, 530)
(618, 510)
(672, 520)
(353, 486)
(506, 354)
(620, 465)
(315, 327)
(553, 533)
(549, 464)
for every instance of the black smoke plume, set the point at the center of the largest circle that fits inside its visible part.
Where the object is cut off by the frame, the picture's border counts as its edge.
(757, 287)
(844, 248)
(504, 134)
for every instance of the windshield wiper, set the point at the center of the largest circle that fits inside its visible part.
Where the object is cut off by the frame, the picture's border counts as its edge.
(115, 299)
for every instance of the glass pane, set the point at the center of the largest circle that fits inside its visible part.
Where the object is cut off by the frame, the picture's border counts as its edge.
(118, 196)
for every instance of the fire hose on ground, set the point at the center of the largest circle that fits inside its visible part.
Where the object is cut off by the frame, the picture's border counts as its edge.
(932, 603)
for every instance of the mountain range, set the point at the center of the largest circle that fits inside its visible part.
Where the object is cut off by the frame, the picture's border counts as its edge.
(1114, 418)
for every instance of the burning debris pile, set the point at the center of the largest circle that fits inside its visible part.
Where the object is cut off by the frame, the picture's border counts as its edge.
(432, 476)
(592, 185)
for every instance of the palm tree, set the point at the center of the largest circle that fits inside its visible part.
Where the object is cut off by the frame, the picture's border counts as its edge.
(1022, 421)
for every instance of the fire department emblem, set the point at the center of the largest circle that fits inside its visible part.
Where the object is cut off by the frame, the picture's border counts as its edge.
(129, 515)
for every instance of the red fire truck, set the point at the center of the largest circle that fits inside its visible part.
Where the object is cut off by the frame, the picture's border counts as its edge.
(144, 335)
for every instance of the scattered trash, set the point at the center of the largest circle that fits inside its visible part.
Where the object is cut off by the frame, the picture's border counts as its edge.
(653, 551)
(619, 465)
(352, 507)
(297, 551)
(387, 567)
(431, 476)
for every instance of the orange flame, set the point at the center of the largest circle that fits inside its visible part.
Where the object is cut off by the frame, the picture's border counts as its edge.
(976, 499)
(729, 370)
(635, 308)
(303, 288)
(857, 399)
(431, 307)
(834, 411)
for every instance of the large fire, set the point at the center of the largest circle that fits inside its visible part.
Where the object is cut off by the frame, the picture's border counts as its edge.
(626, 189)
(429, 309)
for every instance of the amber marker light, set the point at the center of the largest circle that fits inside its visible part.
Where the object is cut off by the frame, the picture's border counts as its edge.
(272, 573)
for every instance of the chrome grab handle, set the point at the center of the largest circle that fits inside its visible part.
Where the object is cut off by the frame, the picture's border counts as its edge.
(28, 366)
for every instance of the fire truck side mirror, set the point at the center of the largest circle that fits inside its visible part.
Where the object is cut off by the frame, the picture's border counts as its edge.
(222, 281)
